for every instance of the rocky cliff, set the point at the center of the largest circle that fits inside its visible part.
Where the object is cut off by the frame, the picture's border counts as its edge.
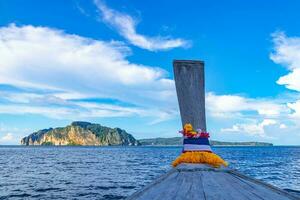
(80, 133)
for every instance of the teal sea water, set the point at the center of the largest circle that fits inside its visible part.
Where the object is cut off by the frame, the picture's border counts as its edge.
(116, 172)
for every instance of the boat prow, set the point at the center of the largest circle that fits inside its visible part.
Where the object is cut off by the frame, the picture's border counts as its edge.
(198, 181)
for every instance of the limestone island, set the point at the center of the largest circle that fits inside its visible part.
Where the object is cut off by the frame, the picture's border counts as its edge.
(81, 133)
(89, 134)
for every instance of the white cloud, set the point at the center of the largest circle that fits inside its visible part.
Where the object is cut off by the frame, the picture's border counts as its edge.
(58, 71)
(267, 122)
(252, 116)
(295, 107)
(126, 26)
(251, 128)
(12, 135)
(8, 137)
(236, 105)
(49, 52)
(282, 126)
(287, 53)
(276, 112)
(70, 67)
(81, 9)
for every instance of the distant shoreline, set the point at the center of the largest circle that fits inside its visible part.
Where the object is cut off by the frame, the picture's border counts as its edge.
(126, 146)
(80, 133)
(177, 141)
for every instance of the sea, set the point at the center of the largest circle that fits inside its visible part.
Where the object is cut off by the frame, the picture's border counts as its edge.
(51, 172)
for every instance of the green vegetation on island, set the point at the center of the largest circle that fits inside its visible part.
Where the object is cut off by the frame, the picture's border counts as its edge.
(176, 141)
(90, 134)
(80, 133)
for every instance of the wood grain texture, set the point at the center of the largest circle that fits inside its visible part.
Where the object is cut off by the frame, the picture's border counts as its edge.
(189, 81)
(197, 182)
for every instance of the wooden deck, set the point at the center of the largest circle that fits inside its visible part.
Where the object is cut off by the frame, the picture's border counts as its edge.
(197, 181)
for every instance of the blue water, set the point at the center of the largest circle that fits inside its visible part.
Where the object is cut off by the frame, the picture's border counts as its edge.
(116, 172)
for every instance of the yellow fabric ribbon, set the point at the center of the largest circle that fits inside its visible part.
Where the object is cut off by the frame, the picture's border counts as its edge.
(200, 157)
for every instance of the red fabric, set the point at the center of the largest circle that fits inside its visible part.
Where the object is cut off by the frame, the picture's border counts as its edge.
(196, 151)
(191, 135)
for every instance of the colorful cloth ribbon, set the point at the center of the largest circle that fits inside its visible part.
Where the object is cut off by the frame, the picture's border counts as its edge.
(196, 148)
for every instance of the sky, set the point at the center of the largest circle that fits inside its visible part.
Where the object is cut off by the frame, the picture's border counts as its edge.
(110, 62)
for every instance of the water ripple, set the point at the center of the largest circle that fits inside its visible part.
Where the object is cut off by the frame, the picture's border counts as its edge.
(113, 173)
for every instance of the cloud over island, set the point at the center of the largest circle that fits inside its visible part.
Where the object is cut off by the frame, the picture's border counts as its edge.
(54, 72)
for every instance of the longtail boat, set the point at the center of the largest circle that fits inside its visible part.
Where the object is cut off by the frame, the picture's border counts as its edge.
(198, 173)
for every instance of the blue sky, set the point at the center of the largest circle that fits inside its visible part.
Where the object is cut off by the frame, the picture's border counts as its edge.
(110, 62)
